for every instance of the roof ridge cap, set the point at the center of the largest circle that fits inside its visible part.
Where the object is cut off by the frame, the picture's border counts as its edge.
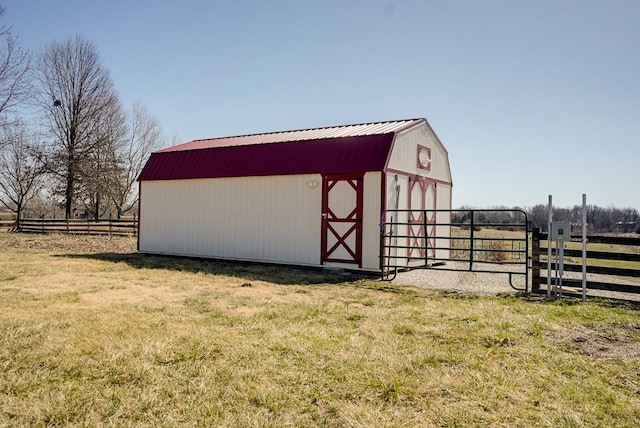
(307, 129)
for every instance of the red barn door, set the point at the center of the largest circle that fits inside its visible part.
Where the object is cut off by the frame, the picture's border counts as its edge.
(342, 200)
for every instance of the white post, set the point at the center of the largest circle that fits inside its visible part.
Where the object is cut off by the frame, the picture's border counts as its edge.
(584, 247)
(549, 248)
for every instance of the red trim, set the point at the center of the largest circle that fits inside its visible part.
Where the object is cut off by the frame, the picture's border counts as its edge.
(353, 218)
(395, 135)
(421, 149)
(388, 158)
(408, 174)
(419, 237)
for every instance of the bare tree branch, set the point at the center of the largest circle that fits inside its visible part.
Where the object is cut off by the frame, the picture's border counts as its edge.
(75, 93)
(15, 84)
(20, 177)
(145, 136)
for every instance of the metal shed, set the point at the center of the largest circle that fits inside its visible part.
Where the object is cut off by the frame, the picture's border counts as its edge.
(312, 197)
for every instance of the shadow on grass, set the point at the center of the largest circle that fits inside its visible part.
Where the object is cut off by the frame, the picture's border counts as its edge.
(277, 274)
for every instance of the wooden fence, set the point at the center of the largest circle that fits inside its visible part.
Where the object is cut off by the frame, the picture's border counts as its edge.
(122, 227)
(7, 221)
(614, 261)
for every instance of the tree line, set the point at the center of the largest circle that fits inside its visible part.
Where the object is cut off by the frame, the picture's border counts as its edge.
(66, 141)
(599, 219)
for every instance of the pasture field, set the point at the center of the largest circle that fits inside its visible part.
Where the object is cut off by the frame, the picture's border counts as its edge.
(94, 334)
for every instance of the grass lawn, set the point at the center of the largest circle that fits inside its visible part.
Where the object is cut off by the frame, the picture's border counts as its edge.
(94, 334)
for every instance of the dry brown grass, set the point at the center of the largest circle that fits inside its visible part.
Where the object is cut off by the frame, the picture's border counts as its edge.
(97, 337)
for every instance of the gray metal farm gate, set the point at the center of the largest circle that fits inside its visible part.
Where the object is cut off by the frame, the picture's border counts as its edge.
(471, 240)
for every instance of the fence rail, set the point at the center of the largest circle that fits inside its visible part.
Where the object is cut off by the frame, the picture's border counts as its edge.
(121, 227)
(619, 266)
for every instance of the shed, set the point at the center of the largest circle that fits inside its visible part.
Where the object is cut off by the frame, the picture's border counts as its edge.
(311, 197)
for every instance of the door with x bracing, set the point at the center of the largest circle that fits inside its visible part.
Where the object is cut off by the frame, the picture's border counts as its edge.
(342, 200)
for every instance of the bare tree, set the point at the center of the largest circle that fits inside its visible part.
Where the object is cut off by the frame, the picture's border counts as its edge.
(145, 136)
(74, 91)
(15, 85)
(99, 172)
(20, 176)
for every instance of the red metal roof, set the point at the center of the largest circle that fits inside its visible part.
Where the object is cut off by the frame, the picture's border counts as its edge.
(333, 150)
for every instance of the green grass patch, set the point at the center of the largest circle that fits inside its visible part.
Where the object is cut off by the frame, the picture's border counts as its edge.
(128, 340)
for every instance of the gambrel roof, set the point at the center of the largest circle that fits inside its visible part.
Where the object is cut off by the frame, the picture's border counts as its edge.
(331, 150)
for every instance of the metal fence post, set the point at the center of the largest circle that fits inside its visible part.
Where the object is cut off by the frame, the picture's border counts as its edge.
(535, 259)
(426, 238)
(472, 226)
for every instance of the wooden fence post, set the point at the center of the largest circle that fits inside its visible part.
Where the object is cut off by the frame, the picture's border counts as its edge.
(109, 224)
(535, 259)
(135, 225)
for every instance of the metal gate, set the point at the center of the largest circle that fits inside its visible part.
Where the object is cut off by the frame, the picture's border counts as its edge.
(486, 241)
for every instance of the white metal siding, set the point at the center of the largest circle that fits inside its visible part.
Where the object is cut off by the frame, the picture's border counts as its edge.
(405, 151)
(404, 163)
(272, 219)
(443, 201)
(371, 221)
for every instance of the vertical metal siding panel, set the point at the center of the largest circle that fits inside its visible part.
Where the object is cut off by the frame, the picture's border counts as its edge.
(268, 230)
(226, 209)
(150, 229)
(313, 203)
(281, 216)
(259, 215)
(290, 211)
(403, 157)
(204, 215)
(245, 227)
(371, 221)
(274, 216)
(405, 150)
(275, 219)
(296, 246)
(391, 205)
(173, 236)
(443, 232)
(212, 217)
(440, 168)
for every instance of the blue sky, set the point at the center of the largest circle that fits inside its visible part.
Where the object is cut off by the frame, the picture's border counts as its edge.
(530, 98)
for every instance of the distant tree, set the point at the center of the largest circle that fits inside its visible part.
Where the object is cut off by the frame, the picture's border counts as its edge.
(74, 92)
(145, 136)
(593, 216)
(99, 171)
(20, 176)
(539, 216)
(15, 85)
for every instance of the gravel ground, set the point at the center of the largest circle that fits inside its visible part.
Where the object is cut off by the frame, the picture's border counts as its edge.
(462, 281)
(497, 283)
